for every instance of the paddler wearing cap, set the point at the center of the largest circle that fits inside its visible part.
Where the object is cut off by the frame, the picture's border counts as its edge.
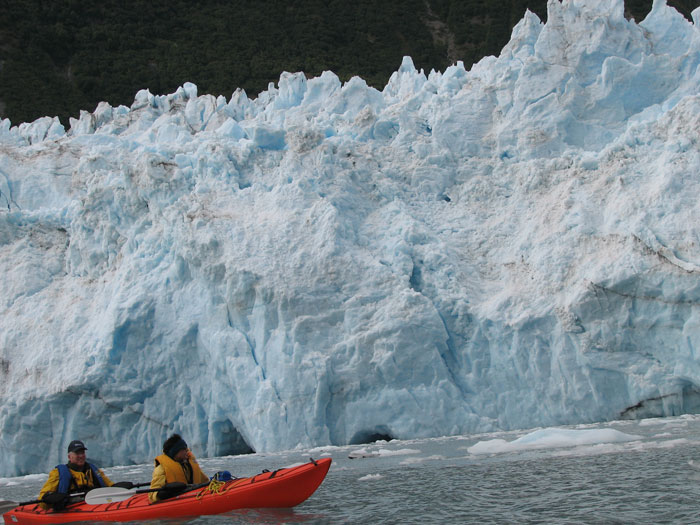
(76, 475)
(175, 464)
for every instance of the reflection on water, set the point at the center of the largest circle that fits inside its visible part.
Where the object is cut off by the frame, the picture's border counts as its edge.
(653, 479)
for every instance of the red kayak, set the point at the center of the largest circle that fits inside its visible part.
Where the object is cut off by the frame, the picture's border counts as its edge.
(285, 487)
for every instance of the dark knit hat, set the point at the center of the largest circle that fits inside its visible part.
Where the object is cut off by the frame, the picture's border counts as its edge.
(173, 445)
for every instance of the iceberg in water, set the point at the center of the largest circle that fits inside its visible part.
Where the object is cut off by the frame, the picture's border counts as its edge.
(552, 438)
(512, 246)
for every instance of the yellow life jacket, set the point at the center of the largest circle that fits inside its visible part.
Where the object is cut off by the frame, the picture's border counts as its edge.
(174, 471)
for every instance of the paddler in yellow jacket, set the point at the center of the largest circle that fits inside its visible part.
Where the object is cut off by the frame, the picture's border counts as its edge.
(76, 475)
(176, 463)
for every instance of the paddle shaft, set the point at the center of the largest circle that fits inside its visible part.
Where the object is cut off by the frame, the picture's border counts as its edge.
(114, 494)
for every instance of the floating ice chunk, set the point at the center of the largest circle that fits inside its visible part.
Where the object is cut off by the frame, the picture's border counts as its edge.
(415, 461)
(397, 452)
(362, 454)
(371, 477)
(552, 438)
(383, 452)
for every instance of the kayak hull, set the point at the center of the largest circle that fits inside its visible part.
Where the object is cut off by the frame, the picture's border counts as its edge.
(282, 488)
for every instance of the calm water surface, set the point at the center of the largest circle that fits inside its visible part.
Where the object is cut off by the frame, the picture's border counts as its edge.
(653, 479)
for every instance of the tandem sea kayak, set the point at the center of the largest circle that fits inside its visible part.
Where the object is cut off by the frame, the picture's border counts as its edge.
(286, 487)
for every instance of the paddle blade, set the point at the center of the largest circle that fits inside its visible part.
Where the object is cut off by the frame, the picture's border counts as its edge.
(108, 495)
(6, 506)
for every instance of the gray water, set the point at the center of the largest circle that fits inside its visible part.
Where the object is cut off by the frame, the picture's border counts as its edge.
(652, 479)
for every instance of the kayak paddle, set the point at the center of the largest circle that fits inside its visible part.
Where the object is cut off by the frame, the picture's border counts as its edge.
(114, 494)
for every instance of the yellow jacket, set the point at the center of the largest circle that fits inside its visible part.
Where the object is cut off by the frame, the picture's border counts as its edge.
(81, 481)
(167, 470)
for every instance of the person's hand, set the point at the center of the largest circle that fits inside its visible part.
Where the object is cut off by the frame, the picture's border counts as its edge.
(171, 490)
(54, 497)
(57, 500)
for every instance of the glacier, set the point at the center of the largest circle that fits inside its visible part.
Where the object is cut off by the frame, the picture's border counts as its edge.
(507, 247)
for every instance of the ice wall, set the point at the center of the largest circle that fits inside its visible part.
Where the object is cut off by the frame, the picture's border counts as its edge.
(507, 247)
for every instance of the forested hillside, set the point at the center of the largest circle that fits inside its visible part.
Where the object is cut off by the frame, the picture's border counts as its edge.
(57, 58)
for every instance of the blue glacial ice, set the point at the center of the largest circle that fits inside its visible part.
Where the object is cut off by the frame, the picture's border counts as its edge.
(507, 247)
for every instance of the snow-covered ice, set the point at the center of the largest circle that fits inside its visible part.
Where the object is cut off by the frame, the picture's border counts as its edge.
(513, 246)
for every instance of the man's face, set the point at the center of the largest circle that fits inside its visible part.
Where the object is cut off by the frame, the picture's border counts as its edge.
(181, 455)
(77, 457)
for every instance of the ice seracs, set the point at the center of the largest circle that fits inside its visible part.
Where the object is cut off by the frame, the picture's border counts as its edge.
(507, 247)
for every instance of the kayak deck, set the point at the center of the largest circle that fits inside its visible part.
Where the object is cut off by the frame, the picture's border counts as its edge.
(281, 488)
